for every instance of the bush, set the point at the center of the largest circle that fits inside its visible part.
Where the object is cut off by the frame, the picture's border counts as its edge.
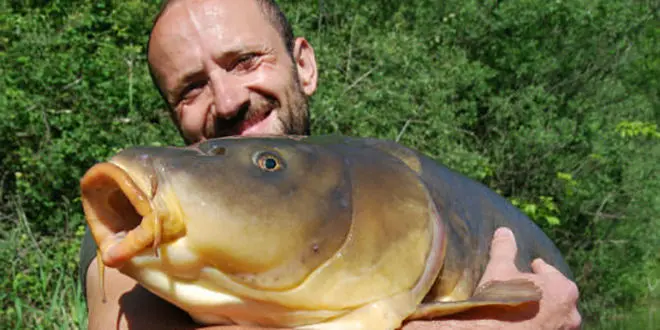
(551, 103)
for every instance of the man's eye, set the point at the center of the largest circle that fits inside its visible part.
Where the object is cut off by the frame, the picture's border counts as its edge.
(245, 62)
(191, 91)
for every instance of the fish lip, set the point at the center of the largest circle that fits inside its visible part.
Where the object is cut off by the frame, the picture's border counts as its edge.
(114, 206)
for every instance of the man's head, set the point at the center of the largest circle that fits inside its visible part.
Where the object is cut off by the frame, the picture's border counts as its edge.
(231, 67)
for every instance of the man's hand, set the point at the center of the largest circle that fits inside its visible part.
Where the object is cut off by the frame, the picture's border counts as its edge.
(558, 307)
(556, 310)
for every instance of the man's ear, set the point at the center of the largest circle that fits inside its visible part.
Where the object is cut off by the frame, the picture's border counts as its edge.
(305, 62)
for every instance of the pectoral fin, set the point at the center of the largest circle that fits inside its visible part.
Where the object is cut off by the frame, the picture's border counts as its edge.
(494, 293)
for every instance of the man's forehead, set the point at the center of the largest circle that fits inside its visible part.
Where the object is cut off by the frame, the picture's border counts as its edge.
(205, 14)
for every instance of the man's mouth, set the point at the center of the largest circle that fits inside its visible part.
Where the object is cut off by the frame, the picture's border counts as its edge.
(246, 124)
(259, 125)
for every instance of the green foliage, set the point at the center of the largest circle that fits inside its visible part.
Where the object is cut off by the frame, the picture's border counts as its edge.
(39, 284)
(554, 104)
(637, 128)
(75, 84)
(545, 209)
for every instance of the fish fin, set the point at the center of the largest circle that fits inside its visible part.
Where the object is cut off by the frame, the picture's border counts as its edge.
(513, 292)
(494, 293)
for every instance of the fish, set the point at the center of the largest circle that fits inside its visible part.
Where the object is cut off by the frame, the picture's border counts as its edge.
(306, 232)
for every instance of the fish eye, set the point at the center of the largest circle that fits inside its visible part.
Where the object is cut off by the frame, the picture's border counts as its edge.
(268, 162)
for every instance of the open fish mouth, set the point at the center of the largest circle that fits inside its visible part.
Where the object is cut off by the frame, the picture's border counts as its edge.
(121, 216)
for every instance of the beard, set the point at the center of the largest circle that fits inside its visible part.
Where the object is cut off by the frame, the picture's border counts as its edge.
(295, 118)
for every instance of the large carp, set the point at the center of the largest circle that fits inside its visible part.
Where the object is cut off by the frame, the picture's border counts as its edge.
(322, 232)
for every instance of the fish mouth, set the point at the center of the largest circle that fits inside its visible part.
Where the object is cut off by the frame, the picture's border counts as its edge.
(119, 214)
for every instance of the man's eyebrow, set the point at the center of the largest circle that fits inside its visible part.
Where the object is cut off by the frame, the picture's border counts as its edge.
(236, 49)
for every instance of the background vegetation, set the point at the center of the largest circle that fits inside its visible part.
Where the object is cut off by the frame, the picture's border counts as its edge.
(554, 104)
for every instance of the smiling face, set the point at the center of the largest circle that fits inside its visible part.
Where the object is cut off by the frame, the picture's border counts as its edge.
(224, 69)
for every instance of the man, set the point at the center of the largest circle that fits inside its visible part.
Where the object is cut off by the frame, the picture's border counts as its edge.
(233, 67)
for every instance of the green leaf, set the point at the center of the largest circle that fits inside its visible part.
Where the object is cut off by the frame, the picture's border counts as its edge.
(552, 220)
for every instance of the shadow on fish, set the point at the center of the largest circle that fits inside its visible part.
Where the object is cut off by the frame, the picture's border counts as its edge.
(322, 232)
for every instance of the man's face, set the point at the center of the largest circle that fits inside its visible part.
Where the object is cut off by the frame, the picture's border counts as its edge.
(224, 69)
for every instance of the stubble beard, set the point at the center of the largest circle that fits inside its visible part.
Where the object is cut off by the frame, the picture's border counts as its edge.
(295, 119)
(292, 119)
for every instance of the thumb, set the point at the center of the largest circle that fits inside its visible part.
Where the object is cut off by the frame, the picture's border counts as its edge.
(503, 250)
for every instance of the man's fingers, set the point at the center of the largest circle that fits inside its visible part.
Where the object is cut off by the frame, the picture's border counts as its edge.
(564, 288)
(539, 266)
(575, 320)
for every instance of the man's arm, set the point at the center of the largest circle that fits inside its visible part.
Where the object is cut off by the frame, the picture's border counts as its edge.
(129, 306)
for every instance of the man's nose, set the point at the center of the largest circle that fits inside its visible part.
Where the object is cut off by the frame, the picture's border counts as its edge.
(229, 94)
